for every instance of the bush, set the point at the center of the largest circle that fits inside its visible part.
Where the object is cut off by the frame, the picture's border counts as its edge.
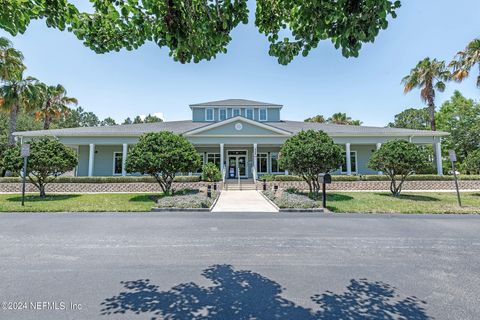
(291, 200)
(309, 154)
(48, 159)
(162, 155)
(472, 162)
(210, 172)
(267, 177)
(282, 177)
(186, 199)
(128, 179)
(398, 159)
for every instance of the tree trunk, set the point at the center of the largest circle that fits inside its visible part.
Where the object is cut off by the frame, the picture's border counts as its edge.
(12, 125)
(46, 122)
(41, 188)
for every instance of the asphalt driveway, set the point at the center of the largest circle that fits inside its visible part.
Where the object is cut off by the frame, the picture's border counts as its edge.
(239, 266)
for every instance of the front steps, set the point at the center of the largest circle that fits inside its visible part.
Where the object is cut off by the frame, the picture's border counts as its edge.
(245, 184)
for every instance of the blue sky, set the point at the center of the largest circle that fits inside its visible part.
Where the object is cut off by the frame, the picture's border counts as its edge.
(368, 88)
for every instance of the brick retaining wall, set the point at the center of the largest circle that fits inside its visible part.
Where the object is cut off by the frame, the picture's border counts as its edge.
(154, 187)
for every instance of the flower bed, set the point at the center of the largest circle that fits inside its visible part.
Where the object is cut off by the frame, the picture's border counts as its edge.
(187, 199)
(288, 200)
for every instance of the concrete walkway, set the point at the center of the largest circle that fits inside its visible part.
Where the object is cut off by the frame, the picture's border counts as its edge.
(242, 201)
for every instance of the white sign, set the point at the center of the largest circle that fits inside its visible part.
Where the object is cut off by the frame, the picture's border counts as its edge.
(25, 151)
(452, 155)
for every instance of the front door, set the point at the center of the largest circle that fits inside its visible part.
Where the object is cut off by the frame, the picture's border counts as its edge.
(237, 163)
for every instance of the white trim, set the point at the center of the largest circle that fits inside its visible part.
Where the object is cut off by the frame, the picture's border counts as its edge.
(260, 112)
(113, 167)
(356, 163)
(238, 118)
(239, 112)
(213, 114)
(220, 112)
(253, 113)
(91, 159)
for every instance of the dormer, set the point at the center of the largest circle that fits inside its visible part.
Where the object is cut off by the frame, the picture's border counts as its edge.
(215, 111)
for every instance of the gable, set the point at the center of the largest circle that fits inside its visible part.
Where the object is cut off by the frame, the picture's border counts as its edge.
(238, 126)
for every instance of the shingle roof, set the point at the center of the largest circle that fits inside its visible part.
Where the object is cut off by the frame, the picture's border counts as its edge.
(235, 103)
(188, 125)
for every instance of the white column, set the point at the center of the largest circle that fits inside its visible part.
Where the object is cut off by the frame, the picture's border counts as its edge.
(222, 160)
(438, 152)
(124, 158)
(379, 145)
(91, 159)
(255, 150)
(349, 159)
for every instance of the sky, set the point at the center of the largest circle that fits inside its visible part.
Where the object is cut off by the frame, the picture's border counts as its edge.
(129, 83)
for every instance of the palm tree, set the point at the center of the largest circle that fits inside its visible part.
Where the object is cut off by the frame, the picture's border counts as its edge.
(342, 118)
(466, 59)
(318, 118)
(11, 60)
(54, 103)
(428, 76)
(16, 94)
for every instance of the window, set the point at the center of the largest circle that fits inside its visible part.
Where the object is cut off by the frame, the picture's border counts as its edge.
(274, 165)
(263, 114)
(222, 114)
(236, 112)
(209, 114)
(262, 162)
(214, 158)
(353, 161)
(249, 114)
(117, 162)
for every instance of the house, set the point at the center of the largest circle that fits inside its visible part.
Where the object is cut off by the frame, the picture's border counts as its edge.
(244, 135)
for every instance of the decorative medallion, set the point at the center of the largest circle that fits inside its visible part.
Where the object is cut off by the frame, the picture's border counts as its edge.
(238, 126)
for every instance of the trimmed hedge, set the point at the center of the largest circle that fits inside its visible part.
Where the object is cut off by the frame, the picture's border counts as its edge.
(106, 179)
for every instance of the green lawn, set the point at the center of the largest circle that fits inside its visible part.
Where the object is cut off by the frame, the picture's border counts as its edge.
(426, 202)
(373, 202)
(78, 202)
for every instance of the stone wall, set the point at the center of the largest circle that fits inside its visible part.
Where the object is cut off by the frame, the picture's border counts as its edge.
(154, 187)
(378, 185)
(101, 187)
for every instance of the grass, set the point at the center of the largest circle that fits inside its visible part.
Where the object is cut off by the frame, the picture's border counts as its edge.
(427, 202)
(128, 202)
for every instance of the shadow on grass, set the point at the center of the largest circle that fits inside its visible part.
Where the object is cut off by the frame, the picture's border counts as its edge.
(145, 198)
(244, 294)
(53, 197)
(338, 197)
(412, 197)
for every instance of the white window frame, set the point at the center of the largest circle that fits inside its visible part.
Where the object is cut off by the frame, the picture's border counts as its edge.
(220, 114)
(113, 167)
(214, 153)
(206, 114)
(249, 110)
(266, 158)
(260, 114)
(239, 112)
(270, 163)
(351, 162)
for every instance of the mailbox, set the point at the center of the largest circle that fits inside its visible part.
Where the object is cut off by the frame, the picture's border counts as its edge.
(326, 178)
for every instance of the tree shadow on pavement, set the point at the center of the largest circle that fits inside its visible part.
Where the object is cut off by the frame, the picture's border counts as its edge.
(248, 295)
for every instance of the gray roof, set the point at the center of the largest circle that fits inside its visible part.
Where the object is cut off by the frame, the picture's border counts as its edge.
(188, 125)
(235, 103)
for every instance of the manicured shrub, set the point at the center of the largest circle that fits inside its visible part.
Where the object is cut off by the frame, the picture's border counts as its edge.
(398, 159)
(291, 200)
(309, 154)
(267, 177)
(186, 179)
(210, 172)
(48, 159)
(282, 177)
(185, 199)
(162, 155)
(472, 162)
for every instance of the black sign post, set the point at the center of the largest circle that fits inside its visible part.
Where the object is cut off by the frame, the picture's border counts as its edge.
(326, 179)
(453, 159)
(25, 152)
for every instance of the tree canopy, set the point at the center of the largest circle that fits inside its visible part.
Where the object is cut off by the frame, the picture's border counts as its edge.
(48, 159)
(336, 118)
(309, 154)
(162, 155)
(411, 118)
(195, 30)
